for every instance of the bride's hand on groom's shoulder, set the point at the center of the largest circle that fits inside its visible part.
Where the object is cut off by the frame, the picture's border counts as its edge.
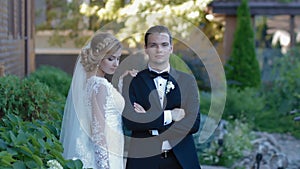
(132, 73)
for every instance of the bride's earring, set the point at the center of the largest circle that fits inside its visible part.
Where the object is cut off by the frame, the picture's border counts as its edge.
(98, 69)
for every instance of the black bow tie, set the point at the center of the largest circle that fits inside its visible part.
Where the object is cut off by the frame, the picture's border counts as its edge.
(164, 75)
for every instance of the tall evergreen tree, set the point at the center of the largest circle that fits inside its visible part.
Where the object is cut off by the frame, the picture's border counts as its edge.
(242, 69)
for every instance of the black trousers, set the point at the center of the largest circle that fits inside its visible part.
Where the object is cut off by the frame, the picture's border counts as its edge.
(169, 161)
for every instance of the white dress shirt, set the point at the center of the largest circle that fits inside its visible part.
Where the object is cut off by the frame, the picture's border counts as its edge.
(160, 84)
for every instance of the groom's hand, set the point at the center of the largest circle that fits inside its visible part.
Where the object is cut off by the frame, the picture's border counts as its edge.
(177, 114)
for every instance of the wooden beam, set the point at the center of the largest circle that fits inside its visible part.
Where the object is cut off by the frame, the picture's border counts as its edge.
(257, 7)
(292, 31)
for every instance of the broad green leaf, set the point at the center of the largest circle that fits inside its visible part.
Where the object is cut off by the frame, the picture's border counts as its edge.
(26, 150)
(3, 144)
(6, 158)
(47, 132)
(51, 128)
(38, 160)
(78, 164)
(56, 154)
(5, 136)
(19, 165)
(21, 138)
(41, 142)
(12, 137)
(31, 164)
(34, 141)
(12, 151)
(57, 146)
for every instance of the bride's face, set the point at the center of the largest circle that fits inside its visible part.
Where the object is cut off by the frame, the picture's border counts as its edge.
(110, 63)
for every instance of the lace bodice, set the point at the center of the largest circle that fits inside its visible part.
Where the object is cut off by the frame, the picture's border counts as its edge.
(101, 145)
(114, 100)
(108, 137)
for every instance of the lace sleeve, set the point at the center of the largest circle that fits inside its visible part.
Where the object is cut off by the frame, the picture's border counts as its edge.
(120, 85)
(98, 102)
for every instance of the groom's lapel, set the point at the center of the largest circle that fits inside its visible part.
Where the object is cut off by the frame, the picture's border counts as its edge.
(150, 84)
(174, 94)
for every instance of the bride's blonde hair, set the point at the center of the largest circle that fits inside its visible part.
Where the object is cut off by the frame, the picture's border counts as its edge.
(102, 44)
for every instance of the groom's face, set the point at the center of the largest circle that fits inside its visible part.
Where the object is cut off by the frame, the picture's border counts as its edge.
(158, 48)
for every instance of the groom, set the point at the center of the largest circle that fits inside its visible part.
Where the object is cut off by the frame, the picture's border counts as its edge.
(161, 110)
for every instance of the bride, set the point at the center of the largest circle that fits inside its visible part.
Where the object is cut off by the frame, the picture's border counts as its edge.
(91, 126)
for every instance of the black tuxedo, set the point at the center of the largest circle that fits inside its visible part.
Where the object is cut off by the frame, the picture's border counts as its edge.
(145, 149)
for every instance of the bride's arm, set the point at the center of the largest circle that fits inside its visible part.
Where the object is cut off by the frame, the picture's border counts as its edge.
(98, 126)
(132, 73)
(137, 107)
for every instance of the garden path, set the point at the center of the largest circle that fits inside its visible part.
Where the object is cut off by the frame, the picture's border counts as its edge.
(288, 145)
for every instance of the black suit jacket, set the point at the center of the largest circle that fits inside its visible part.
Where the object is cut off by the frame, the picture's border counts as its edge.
(144, 148)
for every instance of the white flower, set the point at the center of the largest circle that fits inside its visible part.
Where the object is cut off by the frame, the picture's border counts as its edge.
(169, 86)
(53, 164)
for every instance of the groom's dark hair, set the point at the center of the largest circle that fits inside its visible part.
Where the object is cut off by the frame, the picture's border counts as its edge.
(158, 29)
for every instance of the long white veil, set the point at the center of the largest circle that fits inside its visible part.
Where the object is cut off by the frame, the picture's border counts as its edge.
(76, 129)
(79, 93)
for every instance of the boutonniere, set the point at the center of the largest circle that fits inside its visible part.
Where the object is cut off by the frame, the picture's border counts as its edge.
(170, 86)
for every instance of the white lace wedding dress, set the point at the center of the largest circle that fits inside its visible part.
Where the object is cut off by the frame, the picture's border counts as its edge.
(95, 136)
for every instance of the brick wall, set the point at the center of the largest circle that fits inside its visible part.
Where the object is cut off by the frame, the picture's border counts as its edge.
(16, 36)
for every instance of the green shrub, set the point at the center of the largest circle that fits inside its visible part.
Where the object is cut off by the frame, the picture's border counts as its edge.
(243, 104)
(32, 144)
(27, 98)
(274, 122)
(242, 69)
(236, 142)
(9, 90)
(284, 94)
(31, 114)
(56, 79)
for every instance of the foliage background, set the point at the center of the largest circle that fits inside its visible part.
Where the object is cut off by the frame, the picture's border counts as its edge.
(264, 108)
(31, 113)
(129, 19)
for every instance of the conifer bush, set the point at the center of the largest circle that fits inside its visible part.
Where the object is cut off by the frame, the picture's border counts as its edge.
(242, 69)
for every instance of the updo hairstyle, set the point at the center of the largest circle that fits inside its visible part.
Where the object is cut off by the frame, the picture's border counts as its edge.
(102, 44)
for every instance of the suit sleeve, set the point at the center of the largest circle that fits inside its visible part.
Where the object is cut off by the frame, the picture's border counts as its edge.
(153, 119)
(190, 103)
